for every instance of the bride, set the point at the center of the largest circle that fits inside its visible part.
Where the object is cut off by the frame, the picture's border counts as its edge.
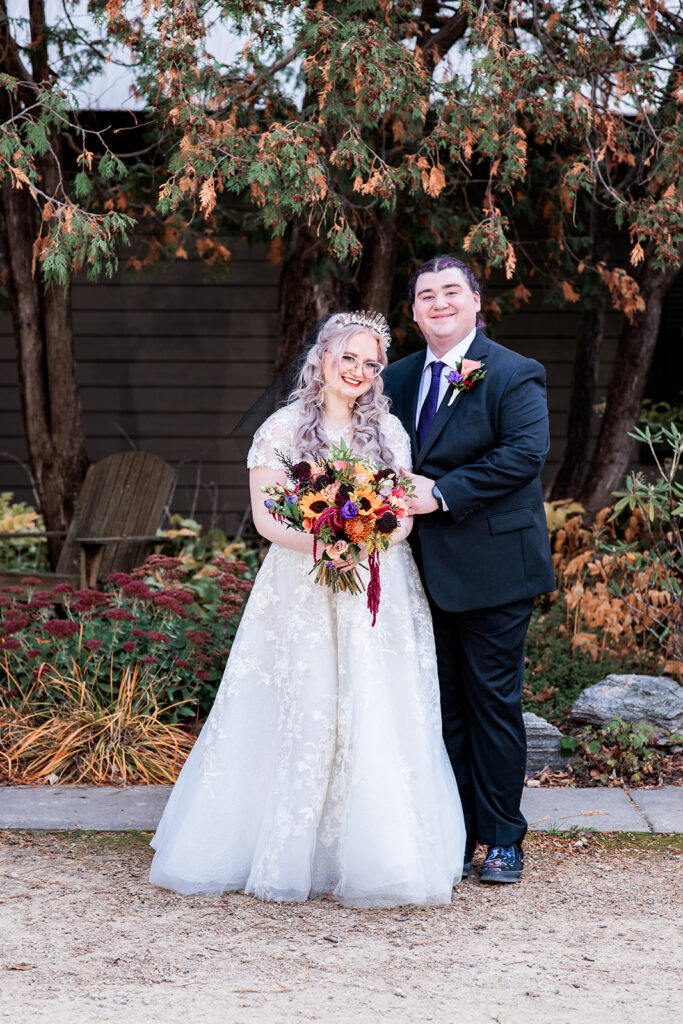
(321, 769)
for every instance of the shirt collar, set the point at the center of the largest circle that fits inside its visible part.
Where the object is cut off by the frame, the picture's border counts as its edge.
(454, 355)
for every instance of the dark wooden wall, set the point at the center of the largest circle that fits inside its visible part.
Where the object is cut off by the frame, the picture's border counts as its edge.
(168, 362)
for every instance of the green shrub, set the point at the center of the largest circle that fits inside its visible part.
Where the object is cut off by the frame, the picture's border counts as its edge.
(619, 752)
(21, 553)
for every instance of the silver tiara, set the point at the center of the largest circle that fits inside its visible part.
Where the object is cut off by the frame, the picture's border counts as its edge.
(375, 322)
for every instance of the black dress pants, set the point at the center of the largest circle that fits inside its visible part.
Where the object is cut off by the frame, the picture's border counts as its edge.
(481, 670)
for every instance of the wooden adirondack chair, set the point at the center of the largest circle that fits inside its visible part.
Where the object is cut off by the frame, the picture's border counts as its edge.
(119, 508)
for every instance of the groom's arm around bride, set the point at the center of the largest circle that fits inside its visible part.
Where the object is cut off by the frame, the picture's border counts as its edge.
(477, 416)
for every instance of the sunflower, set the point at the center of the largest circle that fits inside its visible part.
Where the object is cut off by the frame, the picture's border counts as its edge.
(312, 505)
(366, 500)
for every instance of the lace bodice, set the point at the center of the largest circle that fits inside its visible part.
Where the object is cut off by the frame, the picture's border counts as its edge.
(278, 431)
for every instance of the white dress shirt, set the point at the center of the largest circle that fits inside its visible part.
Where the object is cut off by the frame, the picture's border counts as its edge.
(451, 360)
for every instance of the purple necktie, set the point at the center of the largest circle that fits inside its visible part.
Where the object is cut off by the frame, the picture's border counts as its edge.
(429, 406)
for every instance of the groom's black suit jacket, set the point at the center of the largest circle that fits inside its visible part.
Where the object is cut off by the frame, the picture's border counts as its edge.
(485, 452)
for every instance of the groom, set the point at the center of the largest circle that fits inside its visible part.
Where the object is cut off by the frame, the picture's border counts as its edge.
(477, 416)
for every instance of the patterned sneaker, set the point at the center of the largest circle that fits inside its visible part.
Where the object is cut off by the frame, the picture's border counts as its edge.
(503, 864)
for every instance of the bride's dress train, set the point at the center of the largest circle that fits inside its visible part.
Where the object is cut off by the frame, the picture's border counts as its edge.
(321, 768)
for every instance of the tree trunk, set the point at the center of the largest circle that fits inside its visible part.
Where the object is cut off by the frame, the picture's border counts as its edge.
(379, 261)
(309, 290)
(47, 369)
(567, 480)
(635, 350)
(572, 469)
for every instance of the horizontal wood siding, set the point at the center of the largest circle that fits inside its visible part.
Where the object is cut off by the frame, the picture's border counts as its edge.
(168, 361)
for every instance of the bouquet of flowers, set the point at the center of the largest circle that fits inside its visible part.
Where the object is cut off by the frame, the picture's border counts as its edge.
(345, 502)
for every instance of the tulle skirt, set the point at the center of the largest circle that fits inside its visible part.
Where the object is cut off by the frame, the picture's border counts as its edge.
(321, 769)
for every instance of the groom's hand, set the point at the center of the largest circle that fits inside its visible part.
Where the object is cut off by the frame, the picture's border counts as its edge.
(422, 500)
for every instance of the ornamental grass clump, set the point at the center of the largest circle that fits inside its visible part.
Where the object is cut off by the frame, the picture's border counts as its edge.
(84, 734)
(173, 633)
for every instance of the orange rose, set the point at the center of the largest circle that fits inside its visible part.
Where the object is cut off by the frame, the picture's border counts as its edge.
(468, 365)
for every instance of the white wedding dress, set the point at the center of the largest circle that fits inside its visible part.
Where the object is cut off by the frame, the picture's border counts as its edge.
(321, 768)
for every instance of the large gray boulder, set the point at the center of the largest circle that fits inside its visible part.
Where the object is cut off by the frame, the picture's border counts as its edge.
(652, 699)
(543, 745)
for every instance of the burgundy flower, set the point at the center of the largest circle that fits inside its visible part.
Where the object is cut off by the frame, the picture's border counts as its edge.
(89, 599)
(158, 637)
(158, 562)
(62, 588)
(140, 633)
(198, 636)
(33, 652)
(387, 523)
(61, 628)
(165, 599)
(301, 471)
(93, 645)
(151, 661)
(203, 658)
(182, 663)
(39, 601)
(120, 615)
(9, 643)
(14, 624)
(119, 578)
(202, 674)
(129, 646)
(31, 581)
(136, 588)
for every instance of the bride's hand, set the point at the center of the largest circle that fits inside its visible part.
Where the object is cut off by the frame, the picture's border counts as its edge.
(348, 562)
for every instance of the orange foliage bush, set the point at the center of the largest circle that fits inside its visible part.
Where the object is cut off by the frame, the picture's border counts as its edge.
(600, 620)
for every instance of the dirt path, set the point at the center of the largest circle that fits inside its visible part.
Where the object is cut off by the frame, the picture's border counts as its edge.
(593, 934)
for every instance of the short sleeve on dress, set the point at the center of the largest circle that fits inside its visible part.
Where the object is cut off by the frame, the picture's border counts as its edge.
(273, 438)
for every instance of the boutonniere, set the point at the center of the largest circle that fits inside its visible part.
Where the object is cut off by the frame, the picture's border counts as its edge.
(465, 376)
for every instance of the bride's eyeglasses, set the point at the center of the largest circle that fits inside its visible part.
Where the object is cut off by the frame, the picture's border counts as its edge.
(350, 364)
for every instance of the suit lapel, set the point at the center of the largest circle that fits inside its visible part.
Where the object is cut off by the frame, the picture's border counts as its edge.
(478, 350)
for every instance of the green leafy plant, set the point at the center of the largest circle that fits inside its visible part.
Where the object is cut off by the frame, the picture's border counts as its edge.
(619, 752)
(20, 553)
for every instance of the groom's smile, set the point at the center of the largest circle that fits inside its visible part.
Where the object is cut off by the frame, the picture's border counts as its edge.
(445, 308)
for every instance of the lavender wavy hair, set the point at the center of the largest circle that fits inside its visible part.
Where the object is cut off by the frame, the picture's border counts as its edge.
(443, 262)
(311, 441)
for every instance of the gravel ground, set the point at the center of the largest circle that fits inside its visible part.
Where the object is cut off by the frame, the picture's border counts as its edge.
(592, 934)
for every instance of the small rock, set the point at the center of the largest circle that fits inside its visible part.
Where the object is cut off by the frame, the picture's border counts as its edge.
(399, 992)
(543, 745)
(655, 700)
